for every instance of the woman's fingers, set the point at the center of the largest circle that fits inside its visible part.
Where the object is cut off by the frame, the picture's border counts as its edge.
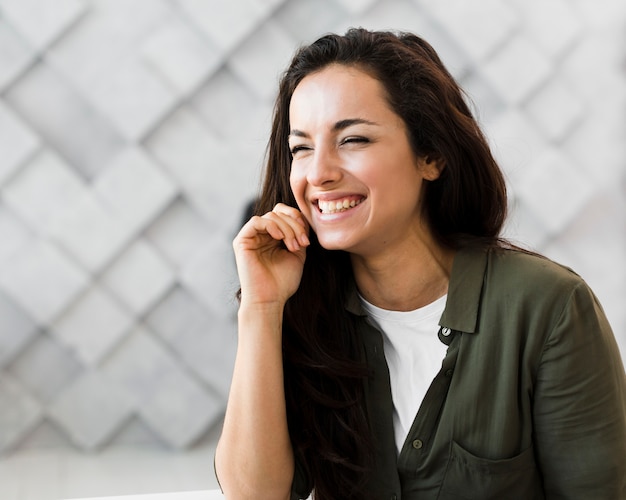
(284, 223)
(300, 228)
(286, 228)
(291, 212)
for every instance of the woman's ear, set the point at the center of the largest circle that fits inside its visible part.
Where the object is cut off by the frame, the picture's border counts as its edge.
(430, 167)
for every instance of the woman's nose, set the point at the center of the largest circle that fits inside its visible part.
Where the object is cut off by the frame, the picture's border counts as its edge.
(325, 167)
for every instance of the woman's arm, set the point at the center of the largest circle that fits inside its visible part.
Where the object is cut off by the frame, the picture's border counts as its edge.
(580, 406)
(254, 458)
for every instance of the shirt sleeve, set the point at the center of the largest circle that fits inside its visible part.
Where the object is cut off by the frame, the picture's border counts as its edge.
(301, 486)
(580, 405)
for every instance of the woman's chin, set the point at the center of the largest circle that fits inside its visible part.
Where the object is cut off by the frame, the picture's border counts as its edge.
(333, 243)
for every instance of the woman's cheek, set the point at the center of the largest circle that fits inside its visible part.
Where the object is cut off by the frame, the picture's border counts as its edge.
(297, 188)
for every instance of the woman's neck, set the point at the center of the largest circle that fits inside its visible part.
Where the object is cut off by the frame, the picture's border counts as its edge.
(404, 281)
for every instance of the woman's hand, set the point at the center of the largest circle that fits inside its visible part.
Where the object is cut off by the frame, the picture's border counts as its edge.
(270, 251)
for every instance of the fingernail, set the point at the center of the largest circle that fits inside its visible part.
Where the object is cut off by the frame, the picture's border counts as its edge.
(304, 240)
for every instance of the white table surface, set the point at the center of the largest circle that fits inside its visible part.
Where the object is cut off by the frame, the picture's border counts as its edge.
(182, 495)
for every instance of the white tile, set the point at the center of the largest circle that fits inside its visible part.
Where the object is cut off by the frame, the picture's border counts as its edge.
(181, 56)
(594, 68)
(17, 329)
(44, 368)
(207, 344)
(176, 315)
(43, 190)
(18, 413)
(232, 109)
(134, 433)
(182, 144)
(226, 23)
(15, 234)
(479, 27)
(515, 142)
(306, 20)
(262, 57)
(182, 410)
(211, 173)
(605, 130)
(106, 35)
(42, 280)
(18, 142)
(89, 233)
(393, 15)
(410, 16)
(15, 55)
(91, 409)
(45, 436)
(134, 188)
(133, 98)
(42, 22)
(93, 325)
(594, 235)
(485, 104)
(357, 6)
(554, 189)
(138, 277)
(516, 69)
(556, 25)
(212, 277)
(179, 232)
(602, 15)
(169, 400)
(523, 226)
(64, 119)
(556, 108)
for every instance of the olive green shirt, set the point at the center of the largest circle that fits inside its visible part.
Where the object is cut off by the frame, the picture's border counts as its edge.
(530, 401)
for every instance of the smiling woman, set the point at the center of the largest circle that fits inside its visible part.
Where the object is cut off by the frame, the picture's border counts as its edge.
(391, 343)
(351, 150)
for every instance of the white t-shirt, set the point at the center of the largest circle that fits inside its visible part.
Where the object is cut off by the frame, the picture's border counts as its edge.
(414, 355)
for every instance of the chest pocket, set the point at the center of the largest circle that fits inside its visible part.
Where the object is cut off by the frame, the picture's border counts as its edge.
(469, 477)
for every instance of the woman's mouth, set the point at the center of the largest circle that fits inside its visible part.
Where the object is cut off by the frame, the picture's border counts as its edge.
(335, 206)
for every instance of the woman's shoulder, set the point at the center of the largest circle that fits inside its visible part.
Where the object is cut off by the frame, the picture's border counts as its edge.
(526, 269)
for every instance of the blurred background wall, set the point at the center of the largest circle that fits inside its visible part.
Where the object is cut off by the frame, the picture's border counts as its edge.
(131, 137)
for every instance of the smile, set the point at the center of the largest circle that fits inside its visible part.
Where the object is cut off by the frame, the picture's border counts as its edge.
(334, 206)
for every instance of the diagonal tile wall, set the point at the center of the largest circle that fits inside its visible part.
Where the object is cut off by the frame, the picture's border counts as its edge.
(131, 136)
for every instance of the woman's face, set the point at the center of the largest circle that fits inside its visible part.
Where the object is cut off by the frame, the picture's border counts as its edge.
(354, 175)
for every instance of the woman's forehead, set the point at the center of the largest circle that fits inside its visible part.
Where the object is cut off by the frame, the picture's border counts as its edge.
(336, 93)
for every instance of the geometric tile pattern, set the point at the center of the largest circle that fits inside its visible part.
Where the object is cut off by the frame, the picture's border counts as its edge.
(131, 136)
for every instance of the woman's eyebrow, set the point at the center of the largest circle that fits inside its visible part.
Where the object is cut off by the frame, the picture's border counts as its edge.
(340, 125)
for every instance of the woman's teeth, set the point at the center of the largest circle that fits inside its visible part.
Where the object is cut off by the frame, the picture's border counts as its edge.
(331, 207)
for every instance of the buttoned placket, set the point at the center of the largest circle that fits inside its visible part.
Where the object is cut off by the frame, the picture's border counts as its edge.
(418, 442)
(417, 445)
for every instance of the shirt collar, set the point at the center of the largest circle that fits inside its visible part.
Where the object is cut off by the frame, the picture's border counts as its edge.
(464, 290)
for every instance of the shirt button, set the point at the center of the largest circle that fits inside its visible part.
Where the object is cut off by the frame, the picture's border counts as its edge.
(445, 331)
(449, 373)
(417, 444)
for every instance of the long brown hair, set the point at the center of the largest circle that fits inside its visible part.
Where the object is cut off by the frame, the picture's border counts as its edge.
(324, 370)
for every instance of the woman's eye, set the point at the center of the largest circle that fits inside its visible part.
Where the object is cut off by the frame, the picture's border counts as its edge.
(355, 140)
(296, 149)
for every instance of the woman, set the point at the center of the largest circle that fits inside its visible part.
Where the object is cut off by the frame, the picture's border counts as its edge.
(377, 252)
